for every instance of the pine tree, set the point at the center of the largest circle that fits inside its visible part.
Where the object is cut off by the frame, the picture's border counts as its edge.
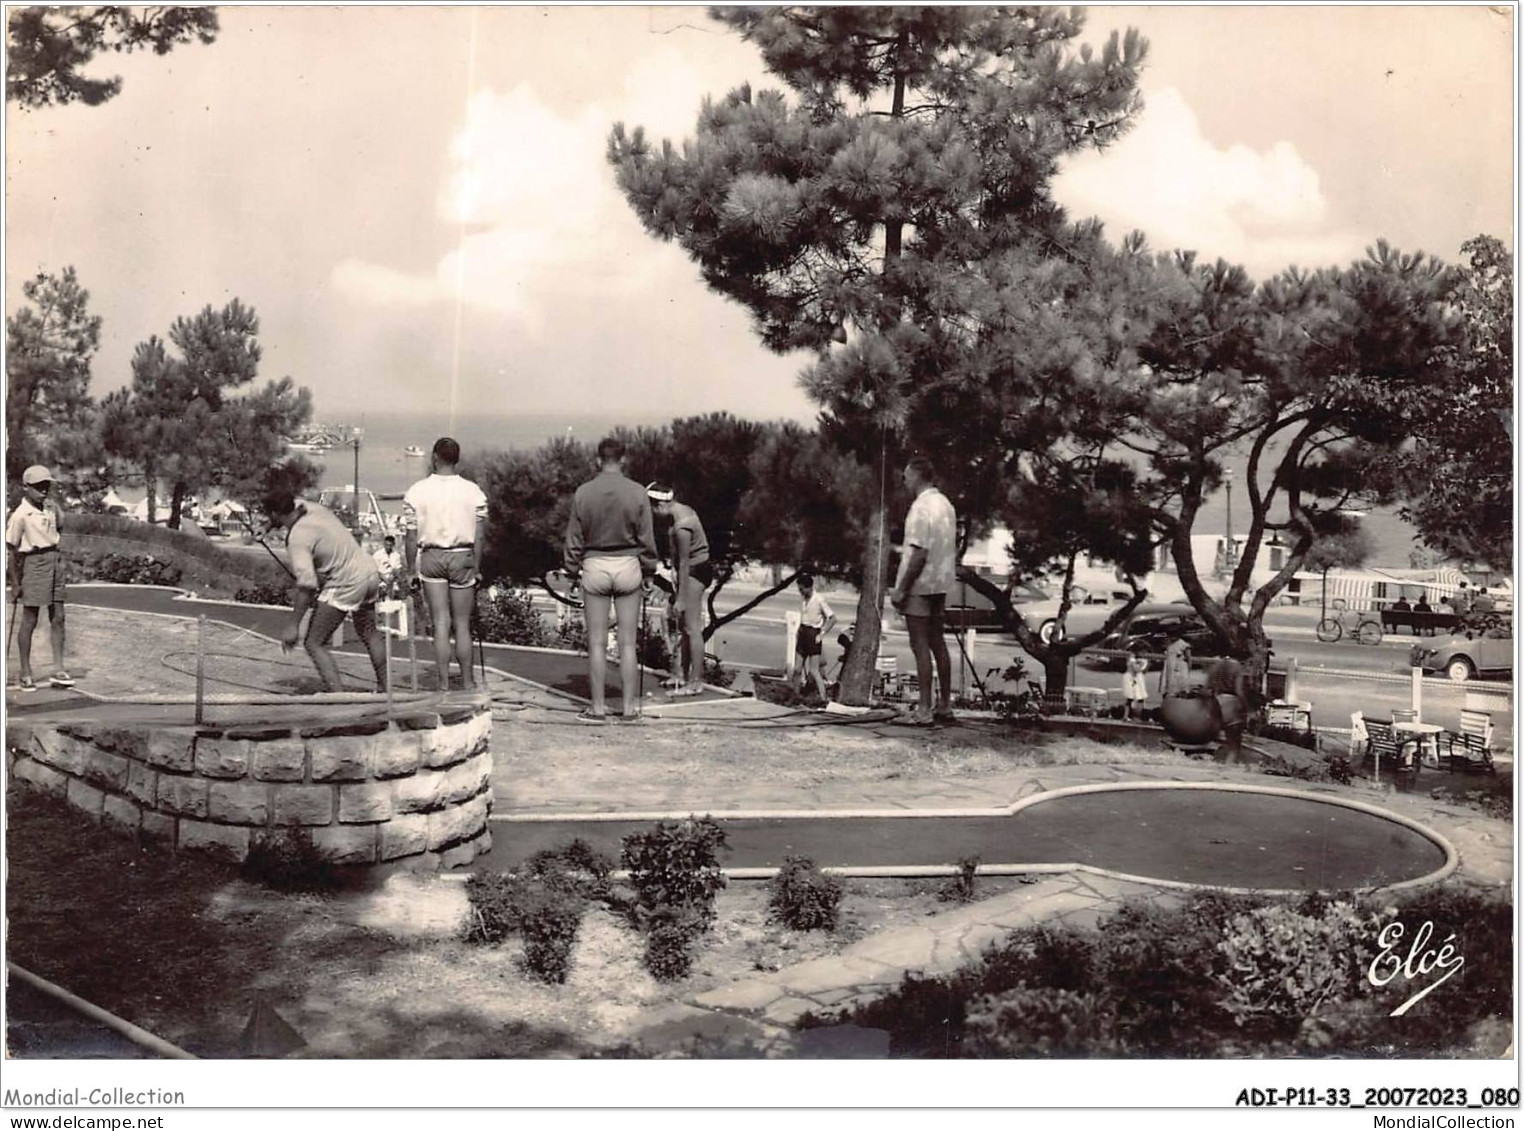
(864, 217)
(49, 414)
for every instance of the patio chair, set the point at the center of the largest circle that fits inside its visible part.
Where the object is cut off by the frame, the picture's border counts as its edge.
(1472, 744)
(1295, 715)
(1384, 743)
(1404, 715)
(1358, 738)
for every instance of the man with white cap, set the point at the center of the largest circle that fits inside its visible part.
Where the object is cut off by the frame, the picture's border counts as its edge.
(36, 572)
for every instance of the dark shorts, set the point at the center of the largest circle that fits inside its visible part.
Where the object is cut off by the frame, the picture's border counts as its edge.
(807, 641)
(703, 573)
(455, 567)
(42, 579)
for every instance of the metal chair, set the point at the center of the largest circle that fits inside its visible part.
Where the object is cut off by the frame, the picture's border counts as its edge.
(1404, 715)
(1473, 743)
(1383, 740)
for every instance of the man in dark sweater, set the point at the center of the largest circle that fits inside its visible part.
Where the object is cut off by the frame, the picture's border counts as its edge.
(611, 550)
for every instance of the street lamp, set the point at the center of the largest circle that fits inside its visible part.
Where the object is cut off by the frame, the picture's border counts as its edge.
(357, 435)
(1228, 555)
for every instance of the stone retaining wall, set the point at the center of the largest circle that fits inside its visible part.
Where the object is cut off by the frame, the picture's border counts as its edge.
(415, 790)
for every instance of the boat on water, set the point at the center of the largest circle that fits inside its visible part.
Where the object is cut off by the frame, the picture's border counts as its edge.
(302, 446)
(413, 450)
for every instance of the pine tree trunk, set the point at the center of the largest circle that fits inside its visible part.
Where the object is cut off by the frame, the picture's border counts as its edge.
(176, 501)
(151, 481)
(857, 674)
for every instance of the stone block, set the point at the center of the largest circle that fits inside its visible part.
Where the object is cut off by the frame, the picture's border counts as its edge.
(421, 793)
(284, 759)
(424, 720)
(359, 729)
(462, 854)
(225, 758)
(231, 841)
(239, 802)
(18, 738)
(43, 778)
(109, 770)
(185, 795)
(467, 779)
(457, 823)
(121, 812)
(303, 804)
(128, 742)
(59, 750)
(404, 836)
(259, 733)
(450, 747)
(85, 798)
(396, 753)
(457, 713)
(347, 844)
(170, 750)
(365, 803)
(342, 758)
(142, 783)
(159, 826)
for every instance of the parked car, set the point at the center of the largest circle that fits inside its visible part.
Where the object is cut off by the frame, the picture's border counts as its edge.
(1487, 653)
(1152, 626)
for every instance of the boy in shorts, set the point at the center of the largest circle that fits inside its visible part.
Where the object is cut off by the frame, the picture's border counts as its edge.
(815, 620)
(36, 571)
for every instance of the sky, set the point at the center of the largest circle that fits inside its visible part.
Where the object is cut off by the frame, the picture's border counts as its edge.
(416, 201)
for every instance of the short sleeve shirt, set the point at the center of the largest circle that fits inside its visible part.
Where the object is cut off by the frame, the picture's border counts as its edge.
(932, 525)
(31, 528)
(324, 555)
(444, 510)
(815, 612)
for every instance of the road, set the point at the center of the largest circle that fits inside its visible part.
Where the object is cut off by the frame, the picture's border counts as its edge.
(1338, 679)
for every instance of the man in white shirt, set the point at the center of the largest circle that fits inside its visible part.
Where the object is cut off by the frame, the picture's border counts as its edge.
(926, 572)
(444, 519)
(36, 574)
(388, 563)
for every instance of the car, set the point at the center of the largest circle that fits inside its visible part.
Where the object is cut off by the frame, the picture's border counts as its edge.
(1152, 626)
(1478, 654)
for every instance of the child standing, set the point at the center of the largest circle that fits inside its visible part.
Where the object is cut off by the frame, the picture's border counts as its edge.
(1134, 686)
(36, 574)
(815, 620)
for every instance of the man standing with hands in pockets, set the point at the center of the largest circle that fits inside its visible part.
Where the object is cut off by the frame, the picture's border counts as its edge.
(445, 522)
(920, 594)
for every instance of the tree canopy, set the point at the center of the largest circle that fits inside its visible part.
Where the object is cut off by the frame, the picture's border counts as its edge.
(49, 414)
(46, 47)
(179, 420)
(865, 217)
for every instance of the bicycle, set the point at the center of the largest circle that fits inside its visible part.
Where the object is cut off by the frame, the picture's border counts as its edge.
(1366, 629)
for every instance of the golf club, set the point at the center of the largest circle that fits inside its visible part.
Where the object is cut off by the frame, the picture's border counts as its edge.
(10, 631)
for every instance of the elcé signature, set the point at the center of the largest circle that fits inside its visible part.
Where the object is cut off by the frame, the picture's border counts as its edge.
(1421, 961)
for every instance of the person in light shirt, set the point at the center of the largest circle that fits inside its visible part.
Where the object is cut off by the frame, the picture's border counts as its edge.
(444, 519)
(36, 574)
(925, 578)
(388, 564)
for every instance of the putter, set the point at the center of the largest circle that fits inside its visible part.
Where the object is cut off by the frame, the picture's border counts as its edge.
(10, 630)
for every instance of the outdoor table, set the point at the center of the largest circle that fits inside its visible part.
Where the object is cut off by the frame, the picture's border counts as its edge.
(1088, 699)
(1428, 739)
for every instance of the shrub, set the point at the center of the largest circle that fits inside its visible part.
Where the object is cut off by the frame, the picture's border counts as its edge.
(1283, 964)
(676, 864)
(576, 866)
(261, 594)
(496, 901)
(508, 616)
(549, 919)
(290, 861)
(671, 933)
(716, 673)
(961, 887)
(1042, 1022)
(571, 634)
(125, 569)
(803, 897)
(1292, 736)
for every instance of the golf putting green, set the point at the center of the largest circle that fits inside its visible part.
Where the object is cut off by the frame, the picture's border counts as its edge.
(1214, 837)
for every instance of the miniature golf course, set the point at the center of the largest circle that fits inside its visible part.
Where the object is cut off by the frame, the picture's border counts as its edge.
(561, 671)
(1219, 837)
(1247, 837)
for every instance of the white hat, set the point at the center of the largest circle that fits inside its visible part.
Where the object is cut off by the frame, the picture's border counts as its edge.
(36, 474)
(659, 494)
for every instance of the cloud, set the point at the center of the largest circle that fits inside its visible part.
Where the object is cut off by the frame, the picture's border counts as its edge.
(1264, 209)
(540, 216)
